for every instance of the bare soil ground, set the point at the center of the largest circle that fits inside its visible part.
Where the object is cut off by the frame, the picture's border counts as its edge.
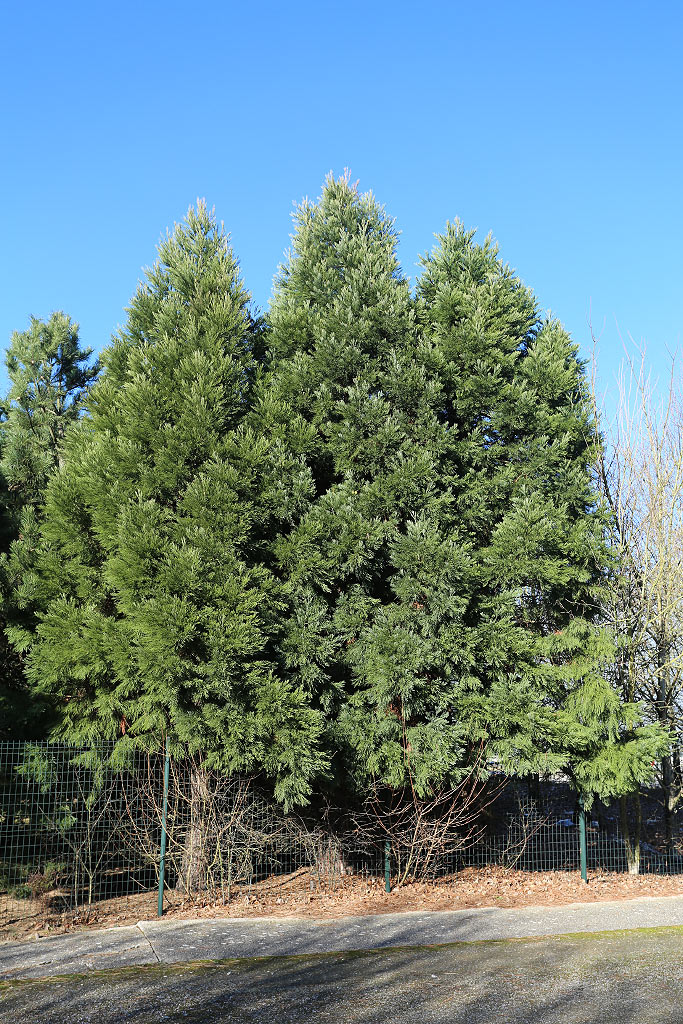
(292, 896)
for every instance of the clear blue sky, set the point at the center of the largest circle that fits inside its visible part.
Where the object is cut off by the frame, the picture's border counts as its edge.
(557, 127)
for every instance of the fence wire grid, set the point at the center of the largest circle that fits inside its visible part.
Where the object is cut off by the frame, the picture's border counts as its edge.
(80, 829)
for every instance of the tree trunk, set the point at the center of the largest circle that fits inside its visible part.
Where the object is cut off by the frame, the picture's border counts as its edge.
(664, 714)
(638, 828)
(196, 858)
(599, 811)
(677, 769)
(534, 787)
(631, 842)
(669, 802)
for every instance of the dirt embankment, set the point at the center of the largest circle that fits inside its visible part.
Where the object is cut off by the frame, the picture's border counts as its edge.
(293, 897)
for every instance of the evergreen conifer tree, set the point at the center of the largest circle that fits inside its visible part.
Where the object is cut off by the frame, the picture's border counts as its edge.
(518, 466)
(154, 612)
(375, 566)
(443, 575)
(50, 374)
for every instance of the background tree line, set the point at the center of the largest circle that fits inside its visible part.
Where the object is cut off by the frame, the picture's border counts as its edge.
(356, 541)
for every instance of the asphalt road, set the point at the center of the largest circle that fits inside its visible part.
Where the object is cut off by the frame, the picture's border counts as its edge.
(171, 941)
(613, 978)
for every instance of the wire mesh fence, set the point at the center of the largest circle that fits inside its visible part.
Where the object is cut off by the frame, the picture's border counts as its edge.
(532, 841)
(70, 827)
(80, 830)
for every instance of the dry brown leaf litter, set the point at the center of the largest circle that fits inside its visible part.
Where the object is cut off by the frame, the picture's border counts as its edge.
(354, 896)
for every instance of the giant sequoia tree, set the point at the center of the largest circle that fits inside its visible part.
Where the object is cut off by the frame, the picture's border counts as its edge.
(518, 467)
(443, 576)
(370, 546)
(154, 612)
(375, 566)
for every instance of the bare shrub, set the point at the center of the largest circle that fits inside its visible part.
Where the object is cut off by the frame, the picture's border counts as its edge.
(425, 834)
(527, 823)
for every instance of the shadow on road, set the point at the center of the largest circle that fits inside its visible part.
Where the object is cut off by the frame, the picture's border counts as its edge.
(624, 978)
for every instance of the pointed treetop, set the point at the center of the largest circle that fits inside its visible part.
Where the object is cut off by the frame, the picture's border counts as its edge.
(50, 375)
(341, 284)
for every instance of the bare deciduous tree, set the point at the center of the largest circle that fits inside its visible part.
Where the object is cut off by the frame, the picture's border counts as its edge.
(640, 472)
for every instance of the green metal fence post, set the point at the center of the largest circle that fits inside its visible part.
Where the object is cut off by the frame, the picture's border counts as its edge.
(387, 866)
(582, 840)
(164, 810)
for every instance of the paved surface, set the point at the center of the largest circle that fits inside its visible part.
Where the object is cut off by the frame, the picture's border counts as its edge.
(168, 941)
(614, 978)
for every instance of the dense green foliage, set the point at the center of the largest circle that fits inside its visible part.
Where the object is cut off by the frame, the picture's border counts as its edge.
(519, 451)
(361, 545)
(154, 612)
(444, 574)
(50, 374)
